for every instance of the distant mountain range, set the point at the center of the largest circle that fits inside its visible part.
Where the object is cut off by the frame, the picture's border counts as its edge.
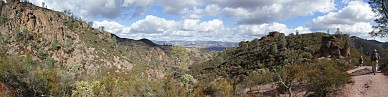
(212, 45)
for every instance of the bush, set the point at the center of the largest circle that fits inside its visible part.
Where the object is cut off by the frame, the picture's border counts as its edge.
(4, 18)
(69, 46)
(55, 45)
(258, 77)
(87, 89)
(324, 79)
(41, 54)
(188, 79)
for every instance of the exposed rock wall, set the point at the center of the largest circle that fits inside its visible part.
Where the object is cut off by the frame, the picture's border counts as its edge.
(331, 47)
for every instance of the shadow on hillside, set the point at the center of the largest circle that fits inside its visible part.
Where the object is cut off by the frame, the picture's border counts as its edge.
(384, 70)
(364, 71)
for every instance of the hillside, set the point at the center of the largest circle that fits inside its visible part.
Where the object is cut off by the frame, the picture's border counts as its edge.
(267, 52)
(368, 46)
(46, 34)
(283, 60)
(49, 53)
(163, 59)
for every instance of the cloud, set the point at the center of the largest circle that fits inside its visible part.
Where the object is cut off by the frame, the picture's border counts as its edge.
(153, 24)
(265, 11)
(111, 26)
(262, 29)
(156, 28)
(206, 26)
(178, 6)
(90, 9)
(243, 11)
(354, 18)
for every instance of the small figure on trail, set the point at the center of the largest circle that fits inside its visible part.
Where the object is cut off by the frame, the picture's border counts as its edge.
(361, 60)
(375, 61)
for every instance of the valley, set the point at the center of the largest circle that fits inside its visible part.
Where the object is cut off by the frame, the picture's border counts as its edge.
(44, 52)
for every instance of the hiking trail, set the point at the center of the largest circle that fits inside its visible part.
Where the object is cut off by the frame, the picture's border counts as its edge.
(365, 84)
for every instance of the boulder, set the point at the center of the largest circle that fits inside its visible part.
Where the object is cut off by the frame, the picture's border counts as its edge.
(274, 34)
(345, 51)
(335, 50)
(325, 48)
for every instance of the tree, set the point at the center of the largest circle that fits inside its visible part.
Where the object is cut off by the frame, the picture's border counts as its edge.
(282, 42)
(287, 75)
(3, 18)
(273, 49)
(380, 7)
(256, 43)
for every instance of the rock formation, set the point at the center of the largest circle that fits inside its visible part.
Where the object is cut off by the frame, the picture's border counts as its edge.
(345, 51)
(274, 34)
(330, 47)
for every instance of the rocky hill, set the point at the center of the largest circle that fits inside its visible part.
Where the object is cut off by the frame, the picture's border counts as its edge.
(44, 52)
(48, 34)
(163, 59)
(281, 59)
(368, 46)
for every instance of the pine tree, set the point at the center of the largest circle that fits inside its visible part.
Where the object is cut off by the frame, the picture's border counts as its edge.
(380, 7)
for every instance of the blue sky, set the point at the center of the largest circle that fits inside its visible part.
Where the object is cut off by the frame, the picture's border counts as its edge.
(220, 20)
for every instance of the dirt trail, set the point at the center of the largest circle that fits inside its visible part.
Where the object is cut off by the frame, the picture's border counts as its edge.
(365, 84)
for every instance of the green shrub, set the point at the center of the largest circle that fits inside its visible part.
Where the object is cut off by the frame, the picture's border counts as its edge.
(69, 46)
(4, 18)
(88, 89)
(55, 45)
(187, 78)
(324, 79)
(258, 77)
(49, 63)
(42, 54)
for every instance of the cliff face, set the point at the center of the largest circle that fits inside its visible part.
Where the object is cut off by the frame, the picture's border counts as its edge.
(336, 46)
(48, 34)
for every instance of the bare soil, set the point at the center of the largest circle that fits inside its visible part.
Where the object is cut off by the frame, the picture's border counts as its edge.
(365, 84)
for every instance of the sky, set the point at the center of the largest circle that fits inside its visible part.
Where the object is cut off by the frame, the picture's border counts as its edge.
(220, 20)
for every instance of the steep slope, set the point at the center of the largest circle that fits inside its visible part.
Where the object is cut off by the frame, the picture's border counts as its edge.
(275, 49)
(163, 59)
(314, 63)
(47, 34)
(369, 45)
(49, 53)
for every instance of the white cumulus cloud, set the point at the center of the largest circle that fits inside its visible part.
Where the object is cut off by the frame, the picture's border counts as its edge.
(354, 18)
(153, 24)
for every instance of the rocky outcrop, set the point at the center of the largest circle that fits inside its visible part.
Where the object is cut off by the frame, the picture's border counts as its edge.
(345, 51)
(274, 34)
(330, 47)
